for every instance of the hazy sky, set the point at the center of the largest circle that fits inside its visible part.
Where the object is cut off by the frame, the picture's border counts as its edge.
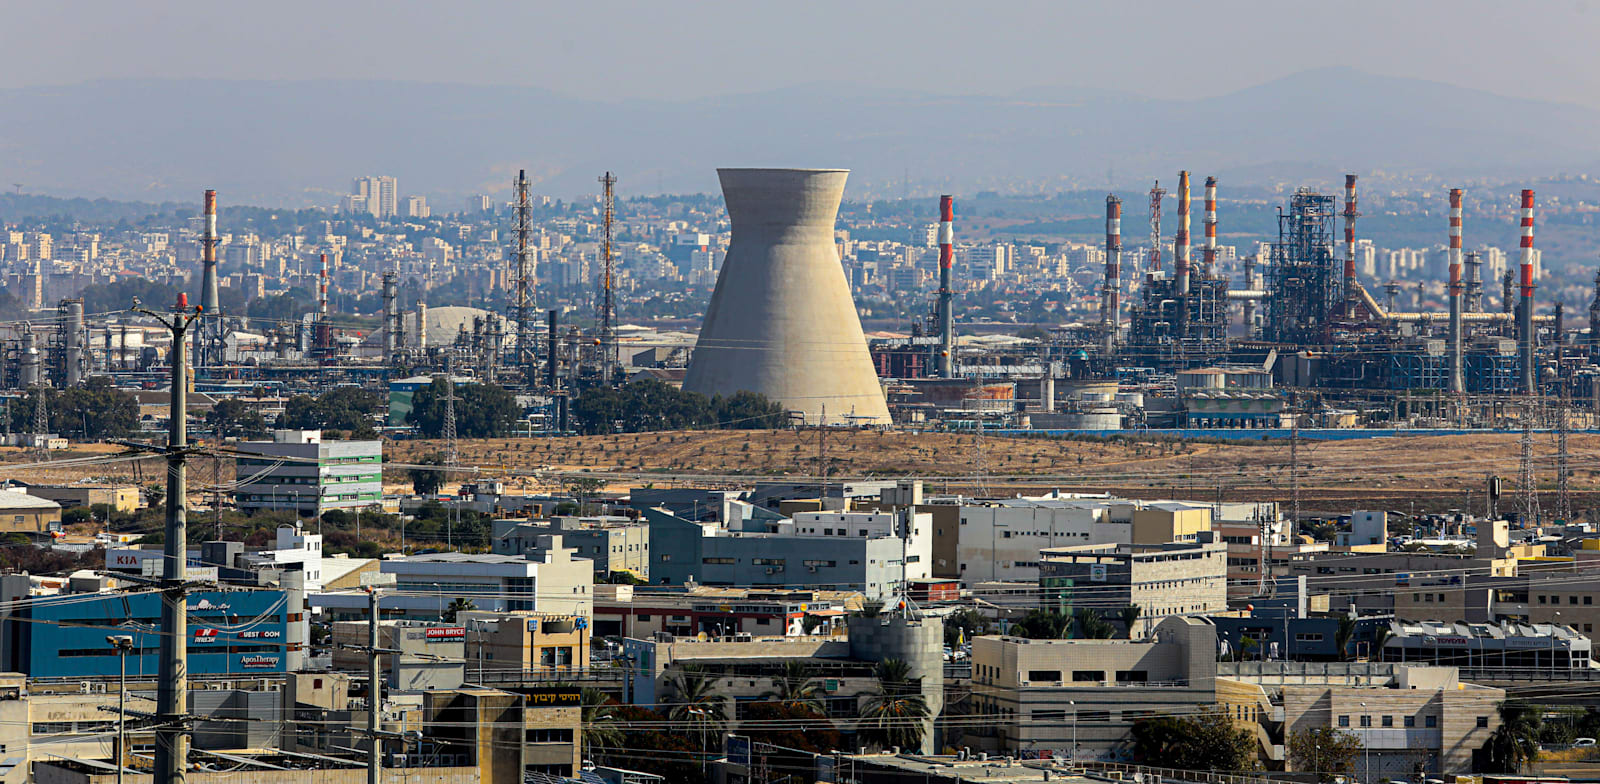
(1543, 48)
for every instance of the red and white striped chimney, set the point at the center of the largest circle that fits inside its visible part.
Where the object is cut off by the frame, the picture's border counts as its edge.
(1457, 376)
(1210, 252)
(1455, 241)
(947, 329)
(1180, 243)
(322, 289)
(1525, 314)
(1350, 215)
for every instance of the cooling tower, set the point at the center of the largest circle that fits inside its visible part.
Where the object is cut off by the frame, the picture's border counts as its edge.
(782, 321)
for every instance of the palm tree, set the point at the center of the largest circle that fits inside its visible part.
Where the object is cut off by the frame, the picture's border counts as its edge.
(1130, 616)
(795, 688)
(1380, 638)
(896, 714)
(457, 605)
(1341, 638)
(698, 705)
(1516, 742)
(600, 730)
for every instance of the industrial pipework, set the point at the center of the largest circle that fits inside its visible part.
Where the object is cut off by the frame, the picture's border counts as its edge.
(1111, 301)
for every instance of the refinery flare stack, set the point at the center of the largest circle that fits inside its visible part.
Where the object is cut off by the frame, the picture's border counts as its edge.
(782, 321)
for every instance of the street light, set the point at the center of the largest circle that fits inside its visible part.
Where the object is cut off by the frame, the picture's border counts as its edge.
(1366, 743)
(123, 644)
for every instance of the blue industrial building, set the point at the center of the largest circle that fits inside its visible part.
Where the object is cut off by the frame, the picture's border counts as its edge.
(230, 632)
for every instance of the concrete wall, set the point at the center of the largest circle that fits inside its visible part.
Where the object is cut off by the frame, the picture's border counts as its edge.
(920, 644)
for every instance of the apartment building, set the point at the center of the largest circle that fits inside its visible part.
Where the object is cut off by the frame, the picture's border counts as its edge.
(558, 583)
(613, 544)
(1082, 697)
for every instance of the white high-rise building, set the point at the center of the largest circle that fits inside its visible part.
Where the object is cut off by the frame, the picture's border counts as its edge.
(382, 195)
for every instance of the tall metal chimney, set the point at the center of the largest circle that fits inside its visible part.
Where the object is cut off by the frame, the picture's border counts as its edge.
(1525, 313)
(947, 323)
(1350, 215)
(72, 310)
(1457, 379)
(1180, 243)
(1594, 324)
(391, 317)
(1209, 253)
(1250, 304)
(1111, 298)
(211, 331)
(30, 358)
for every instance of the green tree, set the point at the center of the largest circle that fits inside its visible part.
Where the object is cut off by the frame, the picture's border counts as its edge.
(1325, 751)
(1207, 741)
(427, 481)
(1130, 616)
(1515, 743)
(795, 687)
(599, 717)
(95, 410)
(1039, 624)
(1342, 637)
(699, 706)
(351, 409)
(482, 410)
(895, 715)
(964, 623)
(457, 606)
(235, 418)
(1091, 626)
(746, 410)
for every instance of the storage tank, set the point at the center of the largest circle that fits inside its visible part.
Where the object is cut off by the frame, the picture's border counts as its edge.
(782, 321)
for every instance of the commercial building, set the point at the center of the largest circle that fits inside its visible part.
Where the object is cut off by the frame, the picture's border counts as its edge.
(22, 513)
(614, 544)
(427, 584)
(877, 564)
(1082, 697)
(1550, 647)
(230, 632)
(626, 611)
(419, 654)
(525, 644)
(121, 498)
(299, 472)
(1161, 580)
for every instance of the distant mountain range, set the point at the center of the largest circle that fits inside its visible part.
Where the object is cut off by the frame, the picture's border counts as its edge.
(299, 143)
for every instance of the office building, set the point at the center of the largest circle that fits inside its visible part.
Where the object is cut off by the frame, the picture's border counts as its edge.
(298, 471)
(558, 584)
(1161, 580)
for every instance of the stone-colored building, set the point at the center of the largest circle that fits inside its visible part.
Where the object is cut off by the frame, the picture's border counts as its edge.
(1162, 580)
(21, 513)
(122, 498)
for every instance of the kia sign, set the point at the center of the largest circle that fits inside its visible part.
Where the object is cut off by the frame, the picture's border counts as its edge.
(447, 634)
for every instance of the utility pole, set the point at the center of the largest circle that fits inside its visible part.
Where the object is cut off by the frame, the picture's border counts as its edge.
(374, 692)
(608, 327)
(451, 450)
(1525, 477)
(172, 734)
(1563, 458)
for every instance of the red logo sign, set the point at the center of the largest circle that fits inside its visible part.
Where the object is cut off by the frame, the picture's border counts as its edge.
(205, 635)
(446, 633)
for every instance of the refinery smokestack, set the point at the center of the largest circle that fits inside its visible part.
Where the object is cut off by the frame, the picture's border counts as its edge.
(1210, 251)
(30, 357)
(72, 311)
(210, 324)
(1180, 243)
(1525, 313)
(781, 321)
(1457, 379)
(947, 322)
(1111, 298)
(1350, 215)
(391, 318)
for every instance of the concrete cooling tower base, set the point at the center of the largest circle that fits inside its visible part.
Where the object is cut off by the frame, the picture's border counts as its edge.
(782, 321)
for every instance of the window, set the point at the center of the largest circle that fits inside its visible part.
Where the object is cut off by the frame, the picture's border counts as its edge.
(1411, 721)
(1430, 721)
(1094, 716)
(645, 617)
(1366, 721)
(1088, 676)
(1049, 715)
(1572, 599)
(719, 560)
(1308, 637)
(1132, 676)
(1483, 722)
(1044, 675)
(1388, 721)
(1344, 721)
(1541, 599)
(1588, 599)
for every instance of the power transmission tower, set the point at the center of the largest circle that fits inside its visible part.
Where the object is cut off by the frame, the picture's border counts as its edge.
(608, 327)
(41, 425)
(1525, 477)
(977, 441)
(522, 305)
(452, 452)
(1153, 262)
(1563, 466)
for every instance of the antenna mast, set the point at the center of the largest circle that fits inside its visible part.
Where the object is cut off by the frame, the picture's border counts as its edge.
(608, 328)
(522, 306)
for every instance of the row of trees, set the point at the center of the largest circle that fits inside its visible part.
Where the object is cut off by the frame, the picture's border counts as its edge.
(95, 410)
(792, 716)
(482, 410)
(648, 405)
(1082, 623)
